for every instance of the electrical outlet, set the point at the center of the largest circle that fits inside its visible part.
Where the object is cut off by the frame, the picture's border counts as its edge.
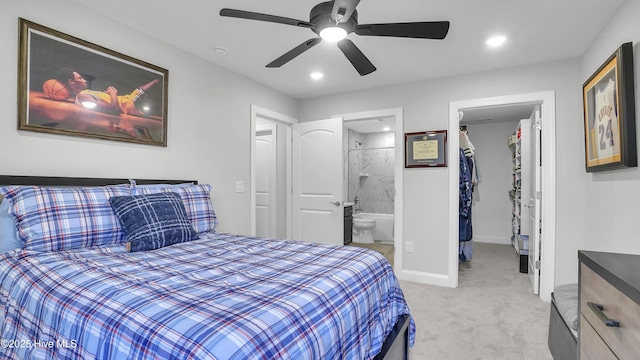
(239, 186)
(409, 247)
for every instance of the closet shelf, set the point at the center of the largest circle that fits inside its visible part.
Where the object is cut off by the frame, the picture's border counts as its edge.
(520, 174)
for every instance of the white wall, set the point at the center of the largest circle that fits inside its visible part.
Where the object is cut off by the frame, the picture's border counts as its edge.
(208, 117)
(612, 198)
(425, 105)
(492, 207)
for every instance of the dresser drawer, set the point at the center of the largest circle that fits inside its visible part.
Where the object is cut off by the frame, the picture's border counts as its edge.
(624, 341)
(593, 348)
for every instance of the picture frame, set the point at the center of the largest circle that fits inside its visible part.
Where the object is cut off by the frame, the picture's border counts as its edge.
(609, 114)
(425, 149)
(69, 86)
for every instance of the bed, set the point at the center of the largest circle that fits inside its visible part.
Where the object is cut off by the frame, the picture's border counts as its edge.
(216, 296)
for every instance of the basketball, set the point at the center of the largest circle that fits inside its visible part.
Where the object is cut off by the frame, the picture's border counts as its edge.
(55, 90)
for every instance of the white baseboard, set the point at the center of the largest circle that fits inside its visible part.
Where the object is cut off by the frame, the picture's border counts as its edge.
(426, 278)
(492, 240)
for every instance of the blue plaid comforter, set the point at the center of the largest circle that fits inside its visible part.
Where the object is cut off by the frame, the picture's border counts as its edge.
(220, 297)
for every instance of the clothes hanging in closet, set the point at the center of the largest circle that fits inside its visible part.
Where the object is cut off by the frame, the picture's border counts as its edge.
(469, 178)
(470, 152)
(465, 229)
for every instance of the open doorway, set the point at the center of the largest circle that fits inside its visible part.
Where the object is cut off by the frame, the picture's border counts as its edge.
(369, 145)
(266, 186)
(546, 101)
(270, 132)
(369, 182)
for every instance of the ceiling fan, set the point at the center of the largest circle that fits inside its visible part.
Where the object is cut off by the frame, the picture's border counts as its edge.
(341, 17)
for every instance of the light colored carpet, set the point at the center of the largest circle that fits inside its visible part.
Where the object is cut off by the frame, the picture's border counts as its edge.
(493, 314)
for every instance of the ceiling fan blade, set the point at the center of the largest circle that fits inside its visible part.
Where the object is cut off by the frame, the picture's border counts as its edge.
(356, 57)
(420, 30)
(264, 17)
(344, 8)
(291, 54)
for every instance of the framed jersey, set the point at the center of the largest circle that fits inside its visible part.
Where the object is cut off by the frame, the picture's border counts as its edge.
(609, 114)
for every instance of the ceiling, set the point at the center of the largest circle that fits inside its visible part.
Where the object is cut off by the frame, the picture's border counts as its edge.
(536, 31)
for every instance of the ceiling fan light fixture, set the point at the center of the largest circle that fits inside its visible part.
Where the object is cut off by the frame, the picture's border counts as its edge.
(333, 21)
(333, 33)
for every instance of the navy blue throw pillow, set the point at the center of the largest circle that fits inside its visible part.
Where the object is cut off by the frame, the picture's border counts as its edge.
(153, 221)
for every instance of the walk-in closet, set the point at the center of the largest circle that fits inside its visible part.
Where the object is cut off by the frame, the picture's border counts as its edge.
(487, 210)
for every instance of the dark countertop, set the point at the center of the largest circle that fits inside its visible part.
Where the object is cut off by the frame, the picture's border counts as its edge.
(620, 270)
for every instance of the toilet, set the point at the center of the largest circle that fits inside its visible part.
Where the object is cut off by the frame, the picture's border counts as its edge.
(363, 230)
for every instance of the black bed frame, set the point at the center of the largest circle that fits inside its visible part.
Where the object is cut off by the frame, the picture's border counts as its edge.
(395, 346)
(78, 181)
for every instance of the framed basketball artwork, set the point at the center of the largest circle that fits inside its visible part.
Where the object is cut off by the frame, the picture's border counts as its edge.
(609, 114)
(69, 86)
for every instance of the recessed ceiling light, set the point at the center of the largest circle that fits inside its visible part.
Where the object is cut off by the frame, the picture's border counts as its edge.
(316, 75)
(220, 51)
(386, 128)
(496, 41)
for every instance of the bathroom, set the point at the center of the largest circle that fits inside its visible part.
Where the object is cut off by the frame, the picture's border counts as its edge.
(369, 161)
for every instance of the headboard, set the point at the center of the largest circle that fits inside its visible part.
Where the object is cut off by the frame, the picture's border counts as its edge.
(79, 181)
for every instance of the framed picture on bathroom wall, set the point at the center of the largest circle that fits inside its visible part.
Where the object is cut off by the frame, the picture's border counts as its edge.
(425, 149)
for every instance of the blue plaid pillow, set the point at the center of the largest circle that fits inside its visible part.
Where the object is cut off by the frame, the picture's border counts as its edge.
(56, 219)
(153, 221)
(197, 202)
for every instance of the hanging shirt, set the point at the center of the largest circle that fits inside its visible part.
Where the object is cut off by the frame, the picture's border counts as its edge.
(470, 151)
(465, 185)
(466, 145)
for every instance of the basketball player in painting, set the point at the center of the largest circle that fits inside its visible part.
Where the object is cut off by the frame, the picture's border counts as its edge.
(104, 101)
(607, 134)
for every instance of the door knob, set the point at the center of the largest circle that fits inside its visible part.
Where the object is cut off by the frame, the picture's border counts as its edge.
(336, 203)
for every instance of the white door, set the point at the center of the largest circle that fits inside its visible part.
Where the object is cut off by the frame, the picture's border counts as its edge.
(535, 197)
(265, 167)
(317, 213)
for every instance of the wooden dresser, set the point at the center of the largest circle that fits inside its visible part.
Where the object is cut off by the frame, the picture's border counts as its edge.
(609, 306)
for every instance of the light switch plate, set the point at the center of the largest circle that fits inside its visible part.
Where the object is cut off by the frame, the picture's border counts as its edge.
(239, 186)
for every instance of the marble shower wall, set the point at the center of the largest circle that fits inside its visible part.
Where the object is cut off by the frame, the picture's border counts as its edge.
(371, 160)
